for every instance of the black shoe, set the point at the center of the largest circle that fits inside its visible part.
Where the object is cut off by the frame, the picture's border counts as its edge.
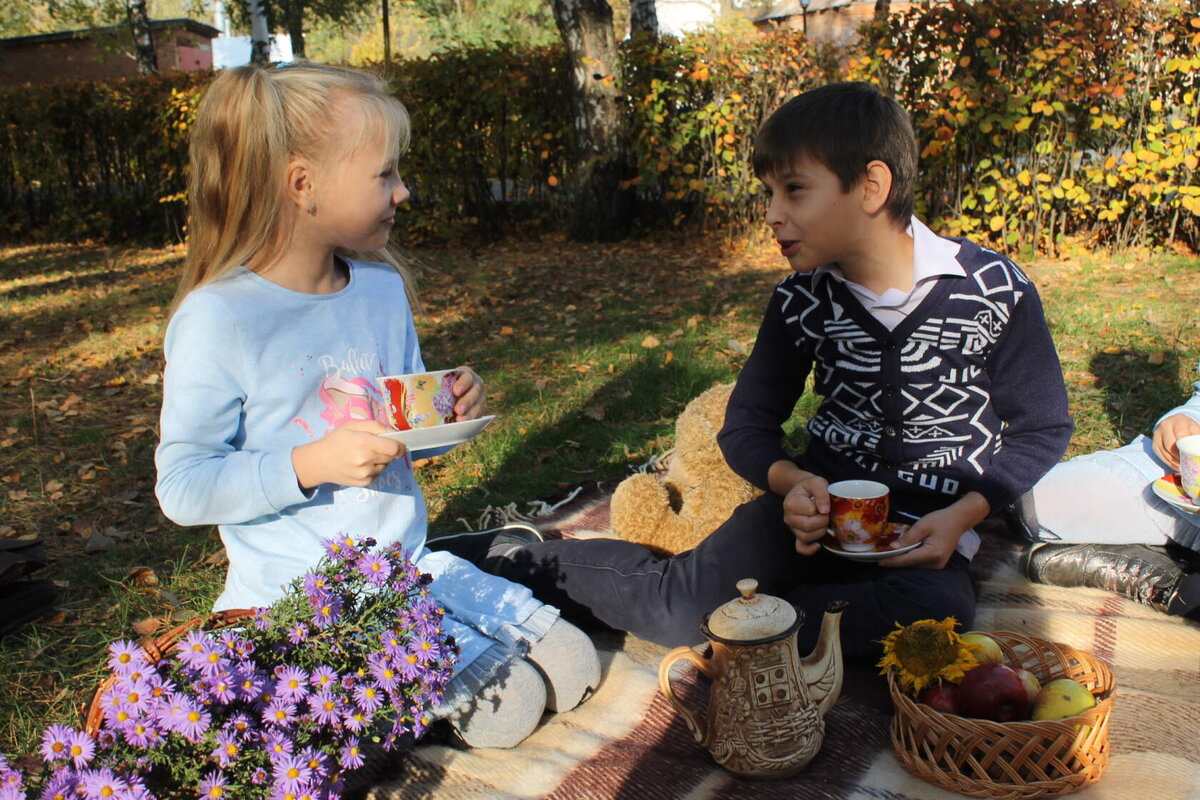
(479, 546)
(1144, 573)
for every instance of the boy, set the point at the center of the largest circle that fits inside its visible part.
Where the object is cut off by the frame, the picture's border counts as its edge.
(930, 352)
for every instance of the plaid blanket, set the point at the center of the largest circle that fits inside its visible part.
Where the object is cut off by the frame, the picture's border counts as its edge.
(628, 743)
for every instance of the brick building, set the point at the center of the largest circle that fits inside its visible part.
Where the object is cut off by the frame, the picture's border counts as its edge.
(97, 54)
(834, 21)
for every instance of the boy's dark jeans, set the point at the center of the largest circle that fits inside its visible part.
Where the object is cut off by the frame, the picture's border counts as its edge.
(663, 600)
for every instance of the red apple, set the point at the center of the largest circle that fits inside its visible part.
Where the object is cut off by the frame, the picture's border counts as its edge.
(943, 697)
(1032, 684)
(993, 691)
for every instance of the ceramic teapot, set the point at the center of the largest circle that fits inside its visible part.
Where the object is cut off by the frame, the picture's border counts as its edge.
(766, 710)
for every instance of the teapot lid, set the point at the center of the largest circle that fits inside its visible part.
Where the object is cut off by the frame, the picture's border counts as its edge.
(751, 616)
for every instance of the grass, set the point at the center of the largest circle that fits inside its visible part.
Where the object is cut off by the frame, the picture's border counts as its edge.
(589, 353)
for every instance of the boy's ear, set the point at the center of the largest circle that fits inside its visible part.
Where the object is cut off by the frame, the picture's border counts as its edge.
(299, 184)
(876, 185)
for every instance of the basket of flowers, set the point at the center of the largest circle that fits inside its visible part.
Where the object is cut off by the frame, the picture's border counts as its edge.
(264, 703)
(963, 724)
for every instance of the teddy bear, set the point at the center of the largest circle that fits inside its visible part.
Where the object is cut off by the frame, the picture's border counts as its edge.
(698, 492)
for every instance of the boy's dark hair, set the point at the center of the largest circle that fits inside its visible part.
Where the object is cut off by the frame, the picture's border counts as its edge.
(843, 126)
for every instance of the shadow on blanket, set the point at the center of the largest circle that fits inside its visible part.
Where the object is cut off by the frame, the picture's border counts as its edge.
(628, 743)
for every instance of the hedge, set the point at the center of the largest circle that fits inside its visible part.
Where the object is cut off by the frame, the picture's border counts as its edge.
(1036, 121)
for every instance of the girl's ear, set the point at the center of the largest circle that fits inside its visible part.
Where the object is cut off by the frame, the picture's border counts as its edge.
(876, 186)
(299, 184)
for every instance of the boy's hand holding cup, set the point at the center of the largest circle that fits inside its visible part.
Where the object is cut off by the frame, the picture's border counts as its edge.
(858, 513)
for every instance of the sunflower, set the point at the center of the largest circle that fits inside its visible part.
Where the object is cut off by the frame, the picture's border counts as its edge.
(927, 652)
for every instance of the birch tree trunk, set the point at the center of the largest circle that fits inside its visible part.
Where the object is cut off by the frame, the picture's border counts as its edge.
(643, 18)
(143, 39)
(603, 202)
(260, 32)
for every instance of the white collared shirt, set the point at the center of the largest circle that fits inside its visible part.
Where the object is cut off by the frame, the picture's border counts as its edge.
(933, 257)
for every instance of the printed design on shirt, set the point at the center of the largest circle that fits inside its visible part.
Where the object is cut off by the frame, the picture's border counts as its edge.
(345, 395)
(947, 416)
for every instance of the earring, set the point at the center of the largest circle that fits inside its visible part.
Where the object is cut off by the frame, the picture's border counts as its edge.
(312, 210)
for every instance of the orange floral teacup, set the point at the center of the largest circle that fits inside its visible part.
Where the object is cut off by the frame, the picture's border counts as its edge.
(858, 513)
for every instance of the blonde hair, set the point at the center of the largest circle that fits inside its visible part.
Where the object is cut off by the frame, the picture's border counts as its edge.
(251, 123)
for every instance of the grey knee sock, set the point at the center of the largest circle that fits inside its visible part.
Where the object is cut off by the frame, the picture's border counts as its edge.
(505, 710)
(567, 660)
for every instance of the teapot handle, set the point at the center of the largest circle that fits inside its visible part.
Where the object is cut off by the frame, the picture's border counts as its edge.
(695, 724)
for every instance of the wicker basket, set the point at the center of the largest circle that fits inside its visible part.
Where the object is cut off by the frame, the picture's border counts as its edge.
(1009, 760)
(162, 645)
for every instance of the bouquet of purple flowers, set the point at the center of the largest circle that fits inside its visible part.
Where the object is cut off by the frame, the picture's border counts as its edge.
(354, 652)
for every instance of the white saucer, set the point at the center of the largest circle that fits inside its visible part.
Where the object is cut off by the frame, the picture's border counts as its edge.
(1169, 490)
(440, 435)
(831, 544)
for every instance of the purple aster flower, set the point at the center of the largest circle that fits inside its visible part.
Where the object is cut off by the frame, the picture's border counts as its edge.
(317, 762)
(142, 733)
(99, 784)
(410, 667)
(227, 749)
(298, 633)
(327, 610)
(292, 773)
(357, 720)
(374, 568)
(61, 786)
(258, 777)
(315, 583)
(262, 618)
(291, 683)
(250, 682)
(160, 687)
(184, 716)
(279, 712)
(425, 647)
(323, 678)
(194, 648)
(134, 695)
(118, 717)
(124, 656)
(278, 744)
(80, 748)
(368, 697)
(221, 687)
(350, 756)
(384, 673)
(393, 643)
(56, 743)
(213, 784)
(325, 707)
(239, 723)
(237, 645)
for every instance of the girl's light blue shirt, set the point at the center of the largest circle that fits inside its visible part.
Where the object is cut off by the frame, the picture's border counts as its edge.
(255, 370)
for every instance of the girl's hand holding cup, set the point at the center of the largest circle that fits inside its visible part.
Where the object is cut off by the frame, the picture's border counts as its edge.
(352, 455)
(470, 401)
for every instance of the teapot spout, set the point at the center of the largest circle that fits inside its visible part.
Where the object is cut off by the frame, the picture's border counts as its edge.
(822, 668)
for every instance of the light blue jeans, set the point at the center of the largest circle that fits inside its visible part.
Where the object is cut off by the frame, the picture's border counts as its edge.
(1105, 497)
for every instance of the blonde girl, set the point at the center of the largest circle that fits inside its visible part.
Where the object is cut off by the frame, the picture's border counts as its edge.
(270, 416)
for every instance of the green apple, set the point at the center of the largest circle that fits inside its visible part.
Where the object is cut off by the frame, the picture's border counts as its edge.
(1062, 698)
(989, 652)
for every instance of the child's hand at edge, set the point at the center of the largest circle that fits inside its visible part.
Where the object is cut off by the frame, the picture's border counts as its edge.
(1170, 431)
(470, 401)
(352, 455)
(939, 532)
(805, 503)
